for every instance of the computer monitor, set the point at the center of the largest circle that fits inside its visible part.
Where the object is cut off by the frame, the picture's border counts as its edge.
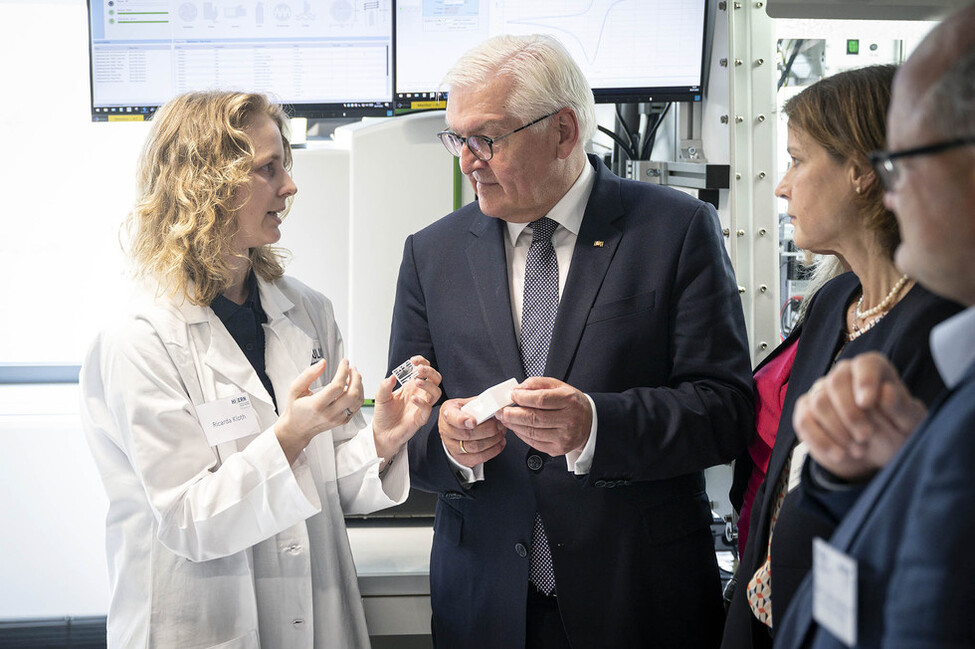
(320, 58)
(630, 50)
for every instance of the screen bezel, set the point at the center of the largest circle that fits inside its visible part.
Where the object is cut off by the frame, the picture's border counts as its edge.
(316, 110)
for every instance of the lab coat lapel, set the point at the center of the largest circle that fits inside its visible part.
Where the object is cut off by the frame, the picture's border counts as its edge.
(221, 356)
(289, 351)
(224, 357)
(486, 256)
(288, 348)
(594, 250)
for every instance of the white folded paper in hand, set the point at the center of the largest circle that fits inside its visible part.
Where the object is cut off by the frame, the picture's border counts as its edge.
(490, 401)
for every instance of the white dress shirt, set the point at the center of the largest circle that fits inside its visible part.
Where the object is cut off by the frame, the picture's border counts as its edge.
(568, 213)
(953, 346)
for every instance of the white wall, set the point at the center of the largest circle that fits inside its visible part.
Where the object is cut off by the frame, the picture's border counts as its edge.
(66, 183)
(52, 558)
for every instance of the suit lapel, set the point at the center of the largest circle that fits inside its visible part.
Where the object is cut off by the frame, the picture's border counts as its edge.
(590, 262)
(491, 284)
(814, 357)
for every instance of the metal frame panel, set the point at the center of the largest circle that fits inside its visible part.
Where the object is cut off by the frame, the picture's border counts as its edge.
(753, 234)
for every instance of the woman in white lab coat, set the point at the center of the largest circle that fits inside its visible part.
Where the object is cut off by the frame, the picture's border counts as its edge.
(229, 470)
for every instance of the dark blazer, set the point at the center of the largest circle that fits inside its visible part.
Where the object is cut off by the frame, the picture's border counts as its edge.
(902, 336)
(911, 534)
(650, 326)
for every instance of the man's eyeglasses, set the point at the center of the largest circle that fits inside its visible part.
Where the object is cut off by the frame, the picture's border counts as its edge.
(886, 165)
(480, 145)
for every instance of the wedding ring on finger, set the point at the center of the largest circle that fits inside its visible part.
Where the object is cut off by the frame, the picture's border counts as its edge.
(462, 449)
(348, 413)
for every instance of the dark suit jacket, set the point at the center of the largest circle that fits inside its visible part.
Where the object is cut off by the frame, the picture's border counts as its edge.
(650, 326)
(902, 336)
(911, 534)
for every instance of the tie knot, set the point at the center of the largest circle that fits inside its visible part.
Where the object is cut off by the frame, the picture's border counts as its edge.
(543, 228)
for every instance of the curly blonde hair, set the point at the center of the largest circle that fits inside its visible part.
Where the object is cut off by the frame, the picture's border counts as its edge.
(197, 158)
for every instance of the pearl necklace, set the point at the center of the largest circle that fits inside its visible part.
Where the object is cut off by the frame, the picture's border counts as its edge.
(859, 331)
(881, 308)
(884, 305)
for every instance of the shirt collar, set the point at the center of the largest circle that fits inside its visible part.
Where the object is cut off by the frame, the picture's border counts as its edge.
(271, 299)
(953, 346)
(570, 209)
(225, 308)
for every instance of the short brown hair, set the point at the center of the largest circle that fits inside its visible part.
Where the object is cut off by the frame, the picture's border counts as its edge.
(846, 114)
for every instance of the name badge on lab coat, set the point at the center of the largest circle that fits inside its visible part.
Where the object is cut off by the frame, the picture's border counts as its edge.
(225, 420)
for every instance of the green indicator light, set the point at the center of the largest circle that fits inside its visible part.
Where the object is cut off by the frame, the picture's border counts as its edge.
(853, 46)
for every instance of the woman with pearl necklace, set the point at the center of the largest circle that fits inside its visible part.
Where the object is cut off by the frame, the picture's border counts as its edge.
(835, 204)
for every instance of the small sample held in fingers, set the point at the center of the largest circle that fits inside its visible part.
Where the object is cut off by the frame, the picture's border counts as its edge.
(404, 372)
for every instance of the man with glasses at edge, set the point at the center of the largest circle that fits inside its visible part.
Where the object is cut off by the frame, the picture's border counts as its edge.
(904, 541)
(578, 515)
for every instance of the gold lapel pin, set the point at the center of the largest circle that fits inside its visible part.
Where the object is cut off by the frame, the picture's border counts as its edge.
(597, 244)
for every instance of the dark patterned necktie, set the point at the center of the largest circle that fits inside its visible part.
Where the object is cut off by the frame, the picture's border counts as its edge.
(541, 305)
(541, 297)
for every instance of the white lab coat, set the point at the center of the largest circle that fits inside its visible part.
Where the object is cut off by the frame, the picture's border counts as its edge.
(226, 546)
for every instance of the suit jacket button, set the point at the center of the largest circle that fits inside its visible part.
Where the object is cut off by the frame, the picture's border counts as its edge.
(521, 550)
(534, 462)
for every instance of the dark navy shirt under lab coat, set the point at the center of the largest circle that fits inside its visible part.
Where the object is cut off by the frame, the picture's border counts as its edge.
(245, 322)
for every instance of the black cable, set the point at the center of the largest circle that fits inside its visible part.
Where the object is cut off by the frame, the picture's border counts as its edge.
(788, 65)
(616, 138)
(789, 314)
(634, 147)
(652, 133)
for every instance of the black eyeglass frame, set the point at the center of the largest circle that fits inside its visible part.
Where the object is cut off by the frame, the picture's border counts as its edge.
(443, 135)
(883, 161)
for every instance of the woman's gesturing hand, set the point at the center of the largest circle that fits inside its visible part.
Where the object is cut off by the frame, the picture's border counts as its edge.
(308, 413)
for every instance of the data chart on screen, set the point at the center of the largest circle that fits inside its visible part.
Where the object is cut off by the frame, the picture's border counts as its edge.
(311, 52)
(619, 44)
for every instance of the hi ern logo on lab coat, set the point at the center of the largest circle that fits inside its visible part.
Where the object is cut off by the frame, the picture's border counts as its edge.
(316, 354)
